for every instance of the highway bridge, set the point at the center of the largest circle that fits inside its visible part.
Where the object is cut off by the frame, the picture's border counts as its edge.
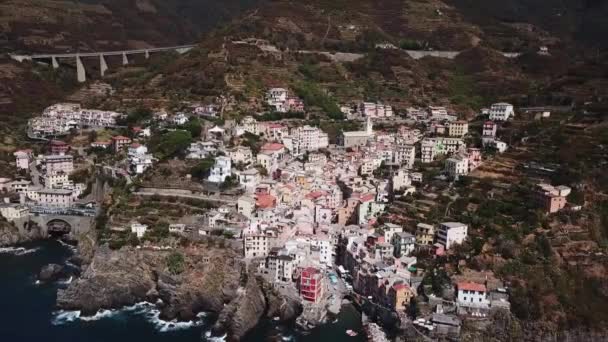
(101, 56)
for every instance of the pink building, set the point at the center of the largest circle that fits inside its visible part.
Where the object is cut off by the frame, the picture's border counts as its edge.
(118, 142)
(22, 159)
(58, 147)
(551, 198)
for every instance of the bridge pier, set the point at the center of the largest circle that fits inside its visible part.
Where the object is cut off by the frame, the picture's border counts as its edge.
(103, 66)
(54, 62)
(147, 54)
(125, 60)
(80, 72)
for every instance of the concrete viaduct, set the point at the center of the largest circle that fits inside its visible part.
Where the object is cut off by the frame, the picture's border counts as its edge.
(103, 66)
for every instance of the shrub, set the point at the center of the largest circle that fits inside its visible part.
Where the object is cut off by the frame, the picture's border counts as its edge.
(176, 263)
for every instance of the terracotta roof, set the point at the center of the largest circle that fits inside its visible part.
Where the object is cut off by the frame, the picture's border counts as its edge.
(315, 194)
(101, 143)
(400, 286)
(275, 125)
(135, 145)
(120, 137)
(470, 286)
(272, 147)
(367, 197)
(265, 201)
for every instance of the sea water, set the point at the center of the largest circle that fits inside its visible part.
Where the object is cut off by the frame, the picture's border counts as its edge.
(28, 311)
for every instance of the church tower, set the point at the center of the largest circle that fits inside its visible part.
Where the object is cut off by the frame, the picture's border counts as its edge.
(369, 127)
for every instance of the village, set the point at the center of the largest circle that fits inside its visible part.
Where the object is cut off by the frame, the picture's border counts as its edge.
(321, 217)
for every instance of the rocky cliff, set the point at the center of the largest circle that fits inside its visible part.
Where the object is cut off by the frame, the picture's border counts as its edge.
(11, 235)
(212, 280)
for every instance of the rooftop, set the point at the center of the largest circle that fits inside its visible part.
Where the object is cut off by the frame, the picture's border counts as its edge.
(470, 286)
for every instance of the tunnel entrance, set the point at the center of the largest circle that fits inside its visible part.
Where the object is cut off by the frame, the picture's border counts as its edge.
(58, 228)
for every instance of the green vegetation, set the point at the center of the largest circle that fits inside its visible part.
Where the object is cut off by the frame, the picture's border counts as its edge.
(313, 96)
(194, 127)
(157, 233)
(276, 116)
(171, 143)
(137, 115)
(410, 44)
(201, 170)
(176, 263)
(230, 182)
(463, 91)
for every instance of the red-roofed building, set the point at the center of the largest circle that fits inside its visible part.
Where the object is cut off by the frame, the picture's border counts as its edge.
(58, 147)
(472, 298)
(276, 132)
(399, 296)
(273, 148)
(119, 141)
(265, 201)
(311, 284)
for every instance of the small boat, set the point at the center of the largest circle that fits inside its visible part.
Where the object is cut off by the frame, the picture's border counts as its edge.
(351, 333)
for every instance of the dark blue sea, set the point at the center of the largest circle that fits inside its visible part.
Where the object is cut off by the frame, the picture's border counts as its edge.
(28, 312)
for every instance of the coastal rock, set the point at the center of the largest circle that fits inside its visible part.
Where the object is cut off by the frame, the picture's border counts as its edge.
(51, 272)
(255, 299)
(112, 280)
(244, 312)
(11, 235)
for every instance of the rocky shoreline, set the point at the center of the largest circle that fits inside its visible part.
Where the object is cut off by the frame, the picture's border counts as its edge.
(214, 280)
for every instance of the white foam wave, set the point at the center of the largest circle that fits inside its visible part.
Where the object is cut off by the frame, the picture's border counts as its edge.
(67, 281)
(209, 337)
(63, 317)
(145, 309)
(65, 244)
(18, 250)
(100, 315)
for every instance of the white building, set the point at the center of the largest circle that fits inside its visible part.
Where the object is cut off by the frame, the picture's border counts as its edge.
(501, 111)
(57, 198)
(22, 159)
(451, 233)
(179, 119)
(306, 139)
(427, 151)
(257, 245)
(472, 298)
(246, 206)
(438, 113)
(375, 110)
(405, 154)
(241, 154)
(358, 138)
(404, 244)
(458, 128)
(249, 125)
(401, 180)
(280, 267)
(139, 229)
(489, 129)
(457, 166)
(12, 211)
(277, 98)
(249, 178)
(220, 170)
(53, 164)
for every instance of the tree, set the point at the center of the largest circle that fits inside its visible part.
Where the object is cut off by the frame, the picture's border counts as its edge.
(194, 127)
(230, 182)
(172, 143)
(176, 263)
(201, 170)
